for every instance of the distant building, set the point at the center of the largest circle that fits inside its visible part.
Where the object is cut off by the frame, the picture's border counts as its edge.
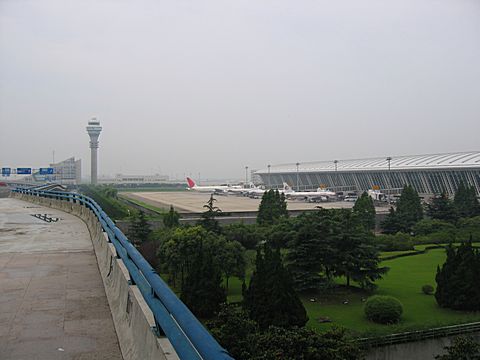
(255, 178)
(66, 172)
(428, 174)
(134, 179)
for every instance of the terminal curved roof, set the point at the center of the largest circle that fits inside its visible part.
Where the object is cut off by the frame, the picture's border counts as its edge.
(412, 162)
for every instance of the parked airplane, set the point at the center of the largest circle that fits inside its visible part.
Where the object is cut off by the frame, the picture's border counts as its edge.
(312, 196)
(220, 189)
(241, 190)
(257, 192)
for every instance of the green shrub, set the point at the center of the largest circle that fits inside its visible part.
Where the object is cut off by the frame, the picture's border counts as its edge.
(397, 242)
(383, 309)
(429, 226)
(427, 289)
(435, 238)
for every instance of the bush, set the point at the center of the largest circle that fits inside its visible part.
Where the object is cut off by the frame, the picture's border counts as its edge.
(397, 242)
(435, 238)
(427, 289)
(383, 309)
(430, 226)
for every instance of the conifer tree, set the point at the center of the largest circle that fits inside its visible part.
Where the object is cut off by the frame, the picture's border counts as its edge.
(466, 201)
(202, 291)
(208, 216)
(171, 219)
(364, 209)
(140, 229)
(272, 207)
(458, 279)
(390, 224)
(442, 208)
(270, 299)
(408, 212)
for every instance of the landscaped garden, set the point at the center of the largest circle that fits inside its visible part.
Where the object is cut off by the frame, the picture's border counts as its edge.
(345, 306)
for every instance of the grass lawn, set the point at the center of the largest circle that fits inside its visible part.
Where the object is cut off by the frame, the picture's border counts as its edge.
(145, 205)
(152, 189)
(404, 281)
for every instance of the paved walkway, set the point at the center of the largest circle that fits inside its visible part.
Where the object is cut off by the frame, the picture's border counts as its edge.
(52, 300)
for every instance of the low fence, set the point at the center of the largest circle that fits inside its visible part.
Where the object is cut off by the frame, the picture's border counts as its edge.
(184, 331)
(420, 335)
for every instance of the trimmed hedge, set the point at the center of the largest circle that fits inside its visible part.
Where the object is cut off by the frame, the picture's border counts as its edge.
(383, 309)
(427, 289)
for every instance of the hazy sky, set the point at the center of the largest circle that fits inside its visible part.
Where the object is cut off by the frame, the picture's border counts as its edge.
(213, 86)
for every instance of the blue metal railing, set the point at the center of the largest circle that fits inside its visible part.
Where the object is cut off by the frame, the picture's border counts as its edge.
(188, 336)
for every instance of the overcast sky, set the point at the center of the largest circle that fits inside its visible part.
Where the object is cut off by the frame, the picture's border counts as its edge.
(212, 86)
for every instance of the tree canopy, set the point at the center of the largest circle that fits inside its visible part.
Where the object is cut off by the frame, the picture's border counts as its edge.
(407, 213)
(272, 208)
(458, 279)
(139, 230)
(442, 208)
(270, 298)
(364, 209)
(466, 202)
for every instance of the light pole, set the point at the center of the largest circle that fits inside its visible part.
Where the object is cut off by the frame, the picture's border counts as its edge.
(336, 175)
(246, 176)
(389, 159)
(269, 183)
(297, 175)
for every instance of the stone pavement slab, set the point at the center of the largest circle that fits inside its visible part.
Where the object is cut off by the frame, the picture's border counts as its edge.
(52, 299)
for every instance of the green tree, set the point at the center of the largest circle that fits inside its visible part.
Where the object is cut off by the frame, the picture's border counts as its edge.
(235, 331)
(356, 256)
(245, 341)
(390, 224)
(208, 216)
(272, 208)
(408, 212)
(442, 208)
(139, 230)
(301, 343)
(247, 235)
(171, 219)
(466, 201)
(270, 298)
(231, 259)
(458, 279)
(463, 348)
(202, 291)
(365, 211)
(311, 253)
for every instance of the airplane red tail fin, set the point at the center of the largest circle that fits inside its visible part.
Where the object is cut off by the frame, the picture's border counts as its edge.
(190, 182)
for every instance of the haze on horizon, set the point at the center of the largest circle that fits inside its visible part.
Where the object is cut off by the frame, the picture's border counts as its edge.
(184, 87)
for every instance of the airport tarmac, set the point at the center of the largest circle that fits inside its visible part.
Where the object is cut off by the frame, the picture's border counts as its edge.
(189, 201)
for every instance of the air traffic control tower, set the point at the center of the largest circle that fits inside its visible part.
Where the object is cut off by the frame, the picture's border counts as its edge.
(94, 130)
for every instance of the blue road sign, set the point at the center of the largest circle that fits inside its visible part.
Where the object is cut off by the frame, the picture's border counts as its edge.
(46, 171)
(6, 171)
(24, 171)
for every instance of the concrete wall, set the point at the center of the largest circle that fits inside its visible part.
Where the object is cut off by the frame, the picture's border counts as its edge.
(418, 350)
(134, 322)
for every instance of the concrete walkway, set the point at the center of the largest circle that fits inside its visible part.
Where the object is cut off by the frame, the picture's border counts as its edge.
(52, 300)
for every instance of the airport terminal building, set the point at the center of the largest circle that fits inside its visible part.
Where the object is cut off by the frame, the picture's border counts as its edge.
(428, 174)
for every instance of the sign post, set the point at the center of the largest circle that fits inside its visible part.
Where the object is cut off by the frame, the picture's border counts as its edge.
(46, 171)
(24, 171)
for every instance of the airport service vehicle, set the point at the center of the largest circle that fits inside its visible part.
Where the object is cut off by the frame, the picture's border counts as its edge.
(312, 196)
(350, 198)
(219, 189)
(376, 195)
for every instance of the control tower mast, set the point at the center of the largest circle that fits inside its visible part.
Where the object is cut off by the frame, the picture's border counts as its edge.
(93, 130)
